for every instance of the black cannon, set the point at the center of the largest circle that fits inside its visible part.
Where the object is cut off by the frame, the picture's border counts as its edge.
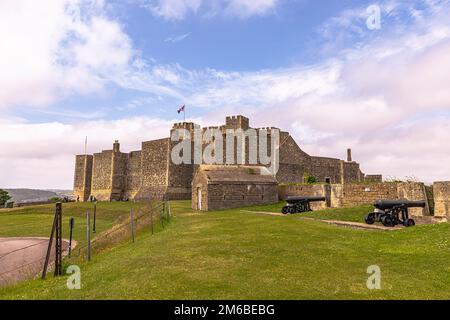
(393, 212)
(300, 204)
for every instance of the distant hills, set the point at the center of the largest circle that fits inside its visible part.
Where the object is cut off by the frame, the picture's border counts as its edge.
(28, 195)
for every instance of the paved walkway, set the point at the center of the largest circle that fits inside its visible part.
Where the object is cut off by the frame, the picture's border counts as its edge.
(23, 258)
(348, 224)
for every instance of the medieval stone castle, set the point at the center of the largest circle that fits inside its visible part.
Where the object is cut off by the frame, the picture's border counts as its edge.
(149, 173)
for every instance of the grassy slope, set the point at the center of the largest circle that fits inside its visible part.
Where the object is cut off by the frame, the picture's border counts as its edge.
(37, 221)
(236, 255)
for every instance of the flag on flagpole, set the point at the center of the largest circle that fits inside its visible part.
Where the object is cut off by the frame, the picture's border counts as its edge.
(182, 109)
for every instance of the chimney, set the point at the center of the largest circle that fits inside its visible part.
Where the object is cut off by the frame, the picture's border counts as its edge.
(116, 146)
(349, 155)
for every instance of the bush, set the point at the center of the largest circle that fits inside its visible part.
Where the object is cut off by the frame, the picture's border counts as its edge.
(311, 180)
(56, 199)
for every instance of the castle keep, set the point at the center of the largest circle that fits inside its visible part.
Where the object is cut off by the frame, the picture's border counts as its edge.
(150, 173)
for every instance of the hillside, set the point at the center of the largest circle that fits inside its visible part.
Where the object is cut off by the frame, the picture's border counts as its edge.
(23, 195)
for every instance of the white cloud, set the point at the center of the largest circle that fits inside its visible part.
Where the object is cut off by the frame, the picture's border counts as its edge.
(178, 38)
(179, 9)
(57, 47)
(42, 155)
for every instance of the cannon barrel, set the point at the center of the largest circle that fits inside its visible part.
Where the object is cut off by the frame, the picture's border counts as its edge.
(305, 199)
(389, 204)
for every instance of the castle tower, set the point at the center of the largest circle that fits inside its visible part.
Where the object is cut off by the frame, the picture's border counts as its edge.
(83, 177)
(237, 122)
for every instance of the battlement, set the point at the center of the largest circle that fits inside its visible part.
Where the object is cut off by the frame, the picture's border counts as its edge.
(237, 122)
(268, 128)
(185, 125)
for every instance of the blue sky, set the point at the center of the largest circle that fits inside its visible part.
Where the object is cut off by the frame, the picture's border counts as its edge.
(120, 69)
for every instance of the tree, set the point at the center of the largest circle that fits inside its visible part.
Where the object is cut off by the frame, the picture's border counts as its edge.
(4, 197)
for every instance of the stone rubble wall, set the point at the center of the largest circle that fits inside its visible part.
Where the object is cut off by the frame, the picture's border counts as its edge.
(356, 194)
(441, 191)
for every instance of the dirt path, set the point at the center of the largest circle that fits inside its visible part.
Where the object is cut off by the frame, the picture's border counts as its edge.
(23, 258)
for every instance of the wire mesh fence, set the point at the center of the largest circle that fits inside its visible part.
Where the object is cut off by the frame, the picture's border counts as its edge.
(150, 217)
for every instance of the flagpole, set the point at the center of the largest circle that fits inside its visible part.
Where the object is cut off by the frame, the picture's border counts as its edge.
(85, 146)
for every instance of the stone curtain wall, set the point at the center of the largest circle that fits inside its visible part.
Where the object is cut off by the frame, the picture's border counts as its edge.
(355, 194)
(101, 175)
(119, 175)
(294, 163)
(134, 174)
(441, 191)
(414, 191)
(359, 194)
(373, 178)
(323, 168)
(307, 190)
(351, 172)
(221, 196)
(154, 166)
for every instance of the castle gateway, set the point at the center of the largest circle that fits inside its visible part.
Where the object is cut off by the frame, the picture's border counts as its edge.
(151, 174)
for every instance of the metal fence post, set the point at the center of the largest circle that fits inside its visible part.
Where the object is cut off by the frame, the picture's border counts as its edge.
(168, 210)
(71, 225)
(151, 218)
(161, 217)
(132, 224)
(95, 217)
(88, 235)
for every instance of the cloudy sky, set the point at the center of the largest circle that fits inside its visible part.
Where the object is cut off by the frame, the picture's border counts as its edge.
(120, 69)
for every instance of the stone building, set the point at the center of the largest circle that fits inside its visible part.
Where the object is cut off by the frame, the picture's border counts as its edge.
(150, 173)
(216, 187)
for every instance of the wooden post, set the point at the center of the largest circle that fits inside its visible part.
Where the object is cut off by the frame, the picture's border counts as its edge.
(161, 217)
(88, 235)
(49, 248)
(132, 224)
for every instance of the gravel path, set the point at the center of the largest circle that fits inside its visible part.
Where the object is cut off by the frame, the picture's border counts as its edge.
(23, 258)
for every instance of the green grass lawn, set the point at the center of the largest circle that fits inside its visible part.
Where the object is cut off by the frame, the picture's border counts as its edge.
(37, 221)
(239, 255)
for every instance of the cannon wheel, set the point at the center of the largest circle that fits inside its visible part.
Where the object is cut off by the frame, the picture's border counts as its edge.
(370, 219)
(409, 223)
(388, 221)
(285, 210)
